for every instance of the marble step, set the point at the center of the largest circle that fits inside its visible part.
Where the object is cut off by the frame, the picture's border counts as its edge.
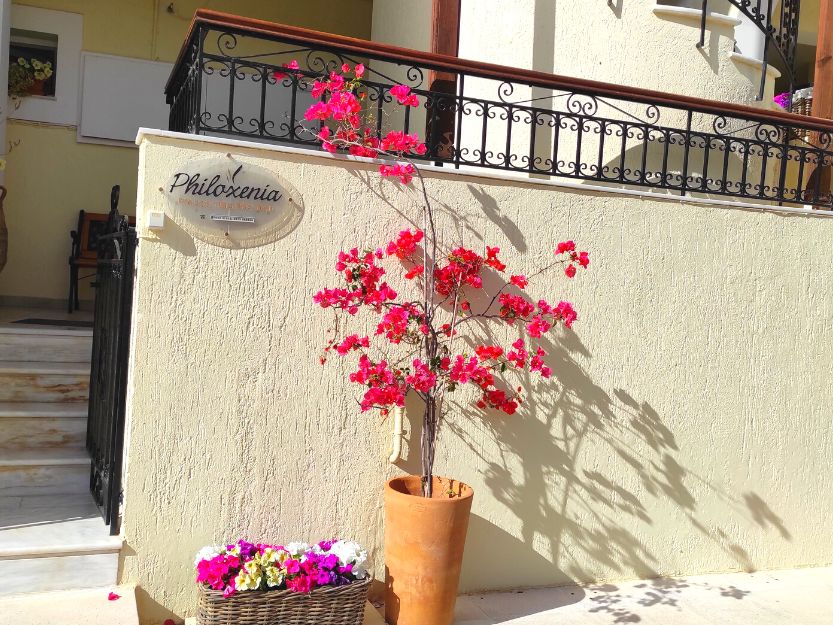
(42, 425)
(44, 344)
(44, 472)
(89, 606)
(22, 381)
(50, 543)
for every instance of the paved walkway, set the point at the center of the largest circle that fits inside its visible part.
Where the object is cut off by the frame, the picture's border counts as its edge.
(792, 597)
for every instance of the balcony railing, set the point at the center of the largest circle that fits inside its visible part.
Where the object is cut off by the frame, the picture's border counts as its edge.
(230, 80)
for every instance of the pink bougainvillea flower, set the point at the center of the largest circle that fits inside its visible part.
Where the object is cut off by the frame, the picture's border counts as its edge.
(345, 68)
(488, 352)
(492, 259)
(405, 172)
(514, 307)
(566, 312)
(583, 259)
(570, 271)
(565, 246)
(398, 141)
(405, 244)
(318, 110)
(519, 281)
(422, 378)
(324, 136)
(538, 326)
(413, 272)
(403, 95)
(352, 342)
(293, 64)
(359, 70)
(113, 596)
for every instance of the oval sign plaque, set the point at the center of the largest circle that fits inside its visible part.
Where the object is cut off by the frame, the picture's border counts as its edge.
(232, 204)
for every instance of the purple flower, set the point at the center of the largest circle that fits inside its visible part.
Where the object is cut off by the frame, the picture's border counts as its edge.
(326, 544)
(783, 100)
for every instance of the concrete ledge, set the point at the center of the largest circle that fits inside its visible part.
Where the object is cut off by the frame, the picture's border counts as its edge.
(479, 173)
(695, 15)
(751, 61)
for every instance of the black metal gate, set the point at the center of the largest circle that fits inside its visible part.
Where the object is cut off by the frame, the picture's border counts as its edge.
(111, 349)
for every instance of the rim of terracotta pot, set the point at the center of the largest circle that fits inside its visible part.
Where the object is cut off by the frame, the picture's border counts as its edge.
(397, 487)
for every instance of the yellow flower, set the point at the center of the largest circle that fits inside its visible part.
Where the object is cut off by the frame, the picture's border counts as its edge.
(47, 70)
(36, 64)
(22, 62)
(269, 556)
(247, 582)
(274, 577)
(40, 76)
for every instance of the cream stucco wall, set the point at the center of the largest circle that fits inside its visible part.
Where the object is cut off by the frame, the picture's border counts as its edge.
(51, 176)
(687, 427)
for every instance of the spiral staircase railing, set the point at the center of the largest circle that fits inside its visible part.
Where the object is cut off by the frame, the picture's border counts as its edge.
(778, 21)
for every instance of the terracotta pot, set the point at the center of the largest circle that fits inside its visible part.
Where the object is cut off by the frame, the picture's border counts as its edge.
(424, 540)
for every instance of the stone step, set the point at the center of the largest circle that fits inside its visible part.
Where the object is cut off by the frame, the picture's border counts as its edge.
(52, 543)
(42, 425)
(44, 344)
(44, 472)
(90, 606)
(23, 381)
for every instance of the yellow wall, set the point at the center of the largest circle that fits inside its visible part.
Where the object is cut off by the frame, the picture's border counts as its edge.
(687, 427)
(51, 177)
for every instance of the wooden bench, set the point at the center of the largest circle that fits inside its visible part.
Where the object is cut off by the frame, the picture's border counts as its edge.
(84, 254)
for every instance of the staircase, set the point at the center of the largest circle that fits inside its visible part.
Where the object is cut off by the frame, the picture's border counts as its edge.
(52, 537)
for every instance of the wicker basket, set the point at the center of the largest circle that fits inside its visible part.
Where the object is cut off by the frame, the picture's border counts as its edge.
(326, 605)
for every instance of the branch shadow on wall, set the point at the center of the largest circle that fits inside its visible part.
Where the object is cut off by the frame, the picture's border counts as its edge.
(574, 518)
(575, 521)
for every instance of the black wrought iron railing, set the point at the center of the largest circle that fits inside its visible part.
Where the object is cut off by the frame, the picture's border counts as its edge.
(778, 22)
(230, 80)
(108, 375)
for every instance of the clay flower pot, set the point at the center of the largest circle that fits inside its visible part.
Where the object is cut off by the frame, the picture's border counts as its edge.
(424, 540)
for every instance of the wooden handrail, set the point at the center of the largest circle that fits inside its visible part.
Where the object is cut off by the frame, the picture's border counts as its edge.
(455, 65)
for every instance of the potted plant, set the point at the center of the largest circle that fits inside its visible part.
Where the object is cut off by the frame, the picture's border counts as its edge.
(28, 77)
(246, 584)
(439, 329)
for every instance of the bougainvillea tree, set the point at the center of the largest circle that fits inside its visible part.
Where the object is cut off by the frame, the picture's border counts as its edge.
(432, 340)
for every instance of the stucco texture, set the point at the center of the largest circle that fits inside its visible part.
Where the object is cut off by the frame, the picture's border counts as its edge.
(686, 429)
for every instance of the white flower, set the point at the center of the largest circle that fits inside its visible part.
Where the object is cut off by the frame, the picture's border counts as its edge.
(350, 553)
(207, 553)
(296, 550)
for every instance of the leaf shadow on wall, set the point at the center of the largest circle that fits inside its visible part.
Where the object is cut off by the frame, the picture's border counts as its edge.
(581, 522)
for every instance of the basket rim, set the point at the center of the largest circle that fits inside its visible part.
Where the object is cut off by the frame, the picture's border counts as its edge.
(318, 590)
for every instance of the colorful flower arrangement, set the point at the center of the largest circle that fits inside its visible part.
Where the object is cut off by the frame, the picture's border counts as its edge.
(298, 567)
(449, 297)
